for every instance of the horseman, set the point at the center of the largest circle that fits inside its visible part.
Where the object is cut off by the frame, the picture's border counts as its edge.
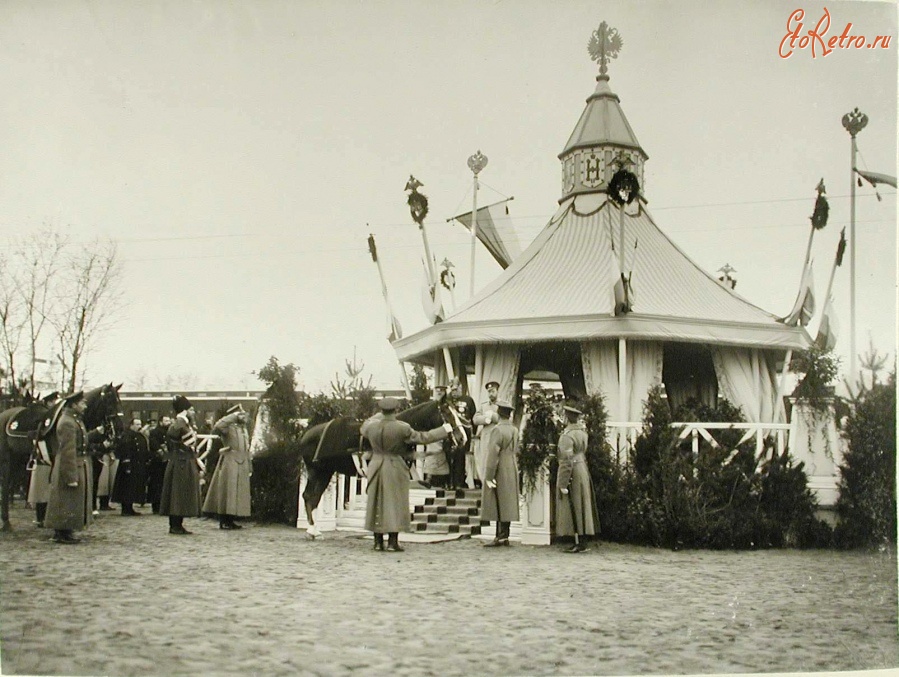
(69, 507)
(388, 477)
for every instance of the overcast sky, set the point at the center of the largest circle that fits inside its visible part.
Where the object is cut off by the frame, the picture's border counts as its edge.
(241, 152)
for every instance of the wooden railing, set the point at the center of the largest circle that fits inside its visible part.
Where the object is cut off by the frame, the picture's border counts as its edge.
(622, 436)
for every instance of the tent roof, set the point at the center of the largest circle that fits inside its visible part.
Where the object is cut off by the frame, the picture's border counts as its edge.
(561, 288)
(603, 123)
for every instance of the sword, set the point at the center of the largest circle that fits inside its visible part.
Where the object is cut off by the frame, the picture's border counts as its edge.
(573, 516)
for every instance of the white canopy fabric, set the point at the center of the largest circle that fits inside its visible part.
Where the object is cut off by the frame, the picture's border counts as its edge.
(561, 289)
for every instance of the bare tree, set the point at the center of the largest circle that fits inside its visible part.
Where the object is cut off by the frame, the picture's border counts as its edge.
(39, 255)
(12, 321)
(86, 302)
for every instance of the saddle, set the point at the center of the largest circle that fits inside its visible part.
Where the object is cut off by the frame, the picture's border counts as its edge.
(26, 423)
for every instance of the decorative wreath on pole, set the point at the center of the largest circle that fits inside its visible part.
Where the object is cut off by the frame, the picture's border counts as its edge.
(418, 202)
(624, 187)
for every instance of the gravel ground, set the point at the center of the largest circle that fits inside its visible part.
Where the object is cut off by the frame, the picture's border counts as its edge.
(133, 600)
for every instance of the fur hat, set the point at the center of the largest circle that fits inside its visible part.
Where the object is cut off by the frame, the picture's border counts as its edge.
(180, 403)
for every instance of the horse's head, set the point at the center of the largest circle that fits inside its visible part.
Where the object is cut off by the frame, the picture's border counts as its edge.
(449, 414)
(104, 408)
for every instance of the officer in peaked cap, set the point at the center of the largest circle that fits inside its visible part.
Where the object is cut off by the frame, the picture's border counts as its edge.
(233, 410)
(576, 513)
(181, 484)
(70, 500)
(387, 511)
(484, 420)
(499, 499)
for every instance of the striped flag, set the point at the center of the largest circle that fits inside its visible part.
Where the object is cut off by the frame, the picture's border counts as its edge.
(804, 307)
(496, 232)
(828, 329)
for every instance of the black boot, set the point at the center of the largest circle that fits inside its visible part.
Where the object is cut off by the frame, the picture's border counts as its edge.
(104, 503)
(64, 536)
(40, 512)
(176, 526)
(379, 542)
(393, 543)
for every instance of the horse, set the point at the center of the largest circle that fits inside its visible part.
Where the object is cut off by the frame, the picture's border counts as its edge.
(17, 432)
(334, 446)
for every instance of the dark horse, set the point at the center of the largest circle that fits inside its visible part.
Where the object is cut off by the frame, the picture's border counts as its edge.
(17, 440)
(330, 447)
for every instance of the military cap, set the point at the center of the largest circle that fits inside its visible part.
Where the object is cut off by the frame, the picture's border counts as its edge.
(388, 404)
(235, 409)
(180, 403)
(491, 383)
(503, 404)
(571, 410)
(74, 397)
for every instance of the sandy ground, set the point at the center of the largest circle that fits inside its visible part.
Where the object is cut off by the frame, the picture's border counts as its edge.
(133, 600)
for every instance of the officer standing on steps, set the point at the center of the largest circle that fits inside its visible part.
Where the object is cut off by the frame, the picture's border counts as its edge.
(484, 420)
(576, 513)
(499, 496)
(387, 511)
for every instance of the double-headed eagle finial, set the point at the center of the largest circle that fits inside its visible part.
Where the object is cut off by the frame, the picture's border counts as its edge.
(604, 45)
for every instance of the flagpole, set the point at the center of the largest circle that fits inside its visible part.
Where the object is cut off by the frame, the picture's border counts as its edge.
(393, 324)
(853, 122)
(476, 163)
(418, 208)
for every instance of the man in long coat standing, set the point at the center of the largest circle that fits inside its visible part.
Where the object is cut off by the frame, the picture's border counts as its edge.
(576, 513)
(499, 495)
(181, 484)
(484, 420)
(133, 452)
(70, 503)
(387, 511)
(229, 490)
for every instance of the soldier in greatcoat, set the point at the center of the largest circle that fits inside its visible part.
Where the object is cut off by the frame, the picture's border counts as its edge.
(181, 485)
(499, 495)
(229, 490)
(160, 453)
(133, 452)
(576, 513)
(387, 511)
(69, 504)
(484, 420)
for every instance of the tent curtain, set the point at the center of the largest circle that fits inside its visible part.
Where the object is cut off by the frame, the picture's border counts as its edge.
(644, 370)
(688, 373)
(498, 363)
(749, 380)
(600, 361)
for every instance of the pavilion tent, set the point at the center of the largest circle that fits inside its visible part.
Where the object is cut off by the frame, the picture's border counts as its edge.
(554, 307)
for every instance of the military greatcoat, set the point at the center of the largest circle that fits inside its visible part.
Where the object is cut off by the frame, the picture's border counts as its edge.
(69, 508)
(574, 476)
(482, 434)
(501, 465)
(229, 489)
(181, 484)
(388, 476)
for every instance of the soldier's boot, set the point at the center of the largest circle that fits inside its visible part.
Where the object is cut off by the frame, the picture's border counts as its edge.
(393, 543)
(379, 542)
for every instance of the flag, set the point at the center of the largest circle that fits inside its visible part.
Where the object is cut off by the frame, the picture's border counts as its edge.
(496, 232)
(372, 249)
(430, 300)
(874, 178)
(828, 329)
(396, 331)
(841, 247)
(623, 295)
(804, 307)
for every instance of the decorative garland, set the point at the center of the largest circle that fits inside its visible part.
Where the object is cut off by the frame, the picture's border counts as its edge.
(624, 187)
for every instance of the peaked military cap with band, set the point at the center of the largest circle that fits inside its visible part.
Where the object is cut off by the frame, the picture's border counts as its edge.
(388, 404)
(572, 410)
(491, 383)
(503, 404)
(235, 409)
(74, 397)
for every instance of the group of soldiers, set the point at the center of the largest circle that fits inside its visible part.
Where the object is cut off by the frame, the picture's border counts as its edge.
(493, 465)
(162, 467)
